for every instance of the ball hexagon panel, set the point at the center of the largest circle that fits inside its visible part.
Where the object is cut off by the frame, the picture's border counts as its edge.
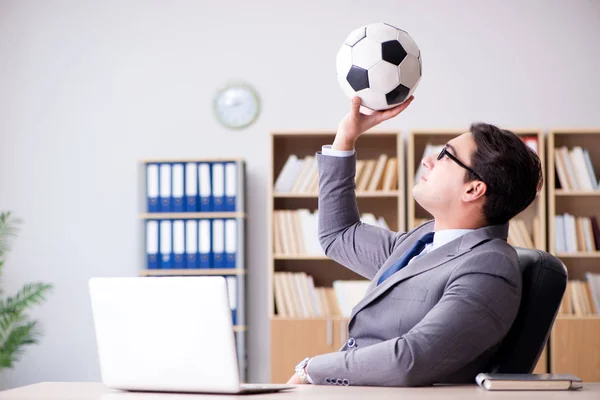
(410, 71)
(393, 52)
(381, 32)
(408, 43)
(373, 100)
(358, 78)
(398, 95)
(383, 77)
(356, 35)
(366, 53)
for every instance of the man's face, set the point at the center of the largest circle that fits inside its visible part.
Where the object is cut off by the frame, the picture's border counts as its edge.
(442, 184)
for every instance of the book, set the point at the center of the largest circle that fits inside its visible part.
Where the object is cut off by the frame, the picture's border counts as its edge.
(492, 381)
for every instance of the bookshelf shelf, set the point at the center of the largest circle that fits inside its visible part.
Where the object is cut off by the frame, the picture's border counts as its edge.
(574, 341)
(191, 272)
(358, 194)
(295, 269)
(562, 192)
(595, 254)
(192, 215)
(300, 257)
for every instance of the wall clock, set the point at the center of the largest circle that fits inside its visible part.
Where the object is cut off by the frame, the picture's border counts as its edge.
(236, 105)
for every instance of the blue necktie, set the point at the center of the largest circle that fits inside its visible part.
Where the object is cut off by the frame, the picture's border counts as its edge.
(406, 257)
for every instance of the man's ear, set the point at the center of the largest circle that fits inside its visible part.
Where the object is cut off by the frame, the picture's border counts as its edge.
(474, 190)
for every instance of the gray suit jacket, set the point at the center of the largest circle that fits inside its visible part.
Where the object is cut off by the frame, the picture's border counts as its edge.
(438, 320)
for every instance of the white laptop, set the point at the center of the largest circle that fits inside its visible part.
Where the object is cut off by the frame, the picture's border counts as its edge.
(167, 334)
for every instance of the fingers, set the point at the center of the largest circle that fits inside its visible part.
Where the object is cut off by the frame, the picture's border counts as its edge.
(355, 108)
(392, 112)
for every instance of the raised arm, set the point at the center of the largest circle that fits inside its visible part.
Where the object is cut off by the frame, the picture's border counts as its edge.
(361, 247)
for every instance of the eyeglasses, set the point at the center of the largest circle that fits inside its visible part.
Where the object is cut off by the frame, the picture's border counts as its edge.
(445, 152)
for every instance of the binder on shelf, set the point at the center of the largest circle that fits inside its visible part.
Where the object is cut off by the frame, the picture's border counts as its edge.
(152, 187)
(165, 188)
(191, 243)
(231, 187)
(218, 186)
(178, 188)
(204, 190)
(230, 243)
(152, 244)
(233, 298)
(218, 243)
(178, 244)
(204, 244)
(166, 259)
(191, 187)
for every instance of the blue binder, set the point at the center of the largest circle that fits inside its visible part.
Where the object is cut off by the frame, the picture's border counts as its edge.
(166, 254)
(177, 177)
(218, 243)
(204, 187)
(152, 244)
(218, 186)
(204, 244)
(233, 297)
(230, 243)
(178, 244)
(191, 243)
(191, 187)
(152, 187)
(231, 186)
(165, 188)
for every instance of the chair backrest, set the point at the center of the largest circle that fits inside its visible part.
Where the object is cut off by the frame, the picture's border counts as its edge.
(544, 284)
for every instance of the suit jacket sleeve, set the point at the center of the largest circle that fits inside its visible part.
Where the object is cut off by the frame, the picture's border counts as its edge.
(474, 314)
(360, 247)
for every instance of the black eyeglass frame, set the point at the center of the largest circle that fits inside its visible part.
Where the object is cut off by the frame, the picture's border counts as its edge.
(445, 152)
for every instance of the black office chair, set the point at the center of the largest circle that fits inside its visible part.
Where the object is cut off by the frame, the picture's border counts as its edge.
(544, 283)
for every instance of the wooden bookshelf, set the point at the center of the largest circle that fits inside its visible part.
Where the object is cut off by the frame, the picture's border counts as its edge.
(292, 339)
(575, 340)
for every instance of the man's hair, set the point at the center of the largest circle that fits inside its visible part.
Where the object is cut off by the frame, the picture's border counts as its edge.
(509, 167)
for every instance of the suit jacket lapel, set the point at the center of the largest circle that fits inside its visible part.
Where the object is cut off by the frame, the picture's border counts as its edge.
(431, 260)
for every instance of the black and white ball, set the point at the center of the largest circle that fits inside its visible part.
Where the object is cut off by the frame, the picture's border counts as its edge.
(379, 63)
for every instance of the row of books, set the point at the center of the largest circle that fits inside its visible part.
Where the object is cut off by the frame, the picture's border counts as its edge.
(575, 169)
(295, 232)
(191, 244)
(297, 297)
(194, 187)
(576, 234)
(302, 176)
(582, 297)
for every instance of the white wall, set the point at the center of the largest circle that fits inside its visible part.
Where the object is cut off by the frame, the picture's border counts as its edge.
(88, 88)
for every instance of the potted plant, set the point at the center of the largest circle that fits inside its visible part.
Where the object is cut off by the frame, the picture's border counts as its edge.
(17, 329)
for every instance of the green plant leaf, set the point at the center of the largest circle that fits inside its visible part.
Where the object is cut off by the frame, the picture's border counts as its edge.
(12, 348)
(31, 294)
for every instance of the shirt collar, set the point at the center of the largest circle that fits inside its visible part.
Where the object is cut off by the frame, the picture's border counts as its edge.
(444, 236)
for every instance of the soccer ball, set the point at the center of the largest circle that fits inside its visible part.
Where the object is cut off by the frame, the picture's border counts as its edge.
(379, 63)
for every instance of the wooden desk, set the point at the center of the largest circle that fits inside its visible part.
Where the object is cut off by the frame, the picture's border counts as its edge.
(97, 391)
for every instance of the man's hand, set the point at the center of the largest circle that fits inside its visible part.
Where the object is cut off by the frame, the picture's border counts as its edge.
(295, 380)
(355, 123)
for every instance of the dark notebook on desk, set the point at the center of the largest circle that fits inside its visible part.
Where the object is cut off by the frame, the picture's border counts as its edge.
(528, 381)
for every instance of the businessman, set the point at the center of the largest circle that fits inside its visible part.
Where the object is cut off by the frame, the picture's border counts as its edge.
(442, 296)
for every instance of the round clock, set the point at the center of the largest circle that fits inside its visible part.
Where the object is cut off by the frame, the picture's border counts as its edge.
(236, 105)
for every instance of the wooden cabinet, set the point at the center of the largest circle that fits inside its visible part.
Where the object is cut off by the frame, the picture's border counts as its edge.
(294, 339)
(575, 347)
